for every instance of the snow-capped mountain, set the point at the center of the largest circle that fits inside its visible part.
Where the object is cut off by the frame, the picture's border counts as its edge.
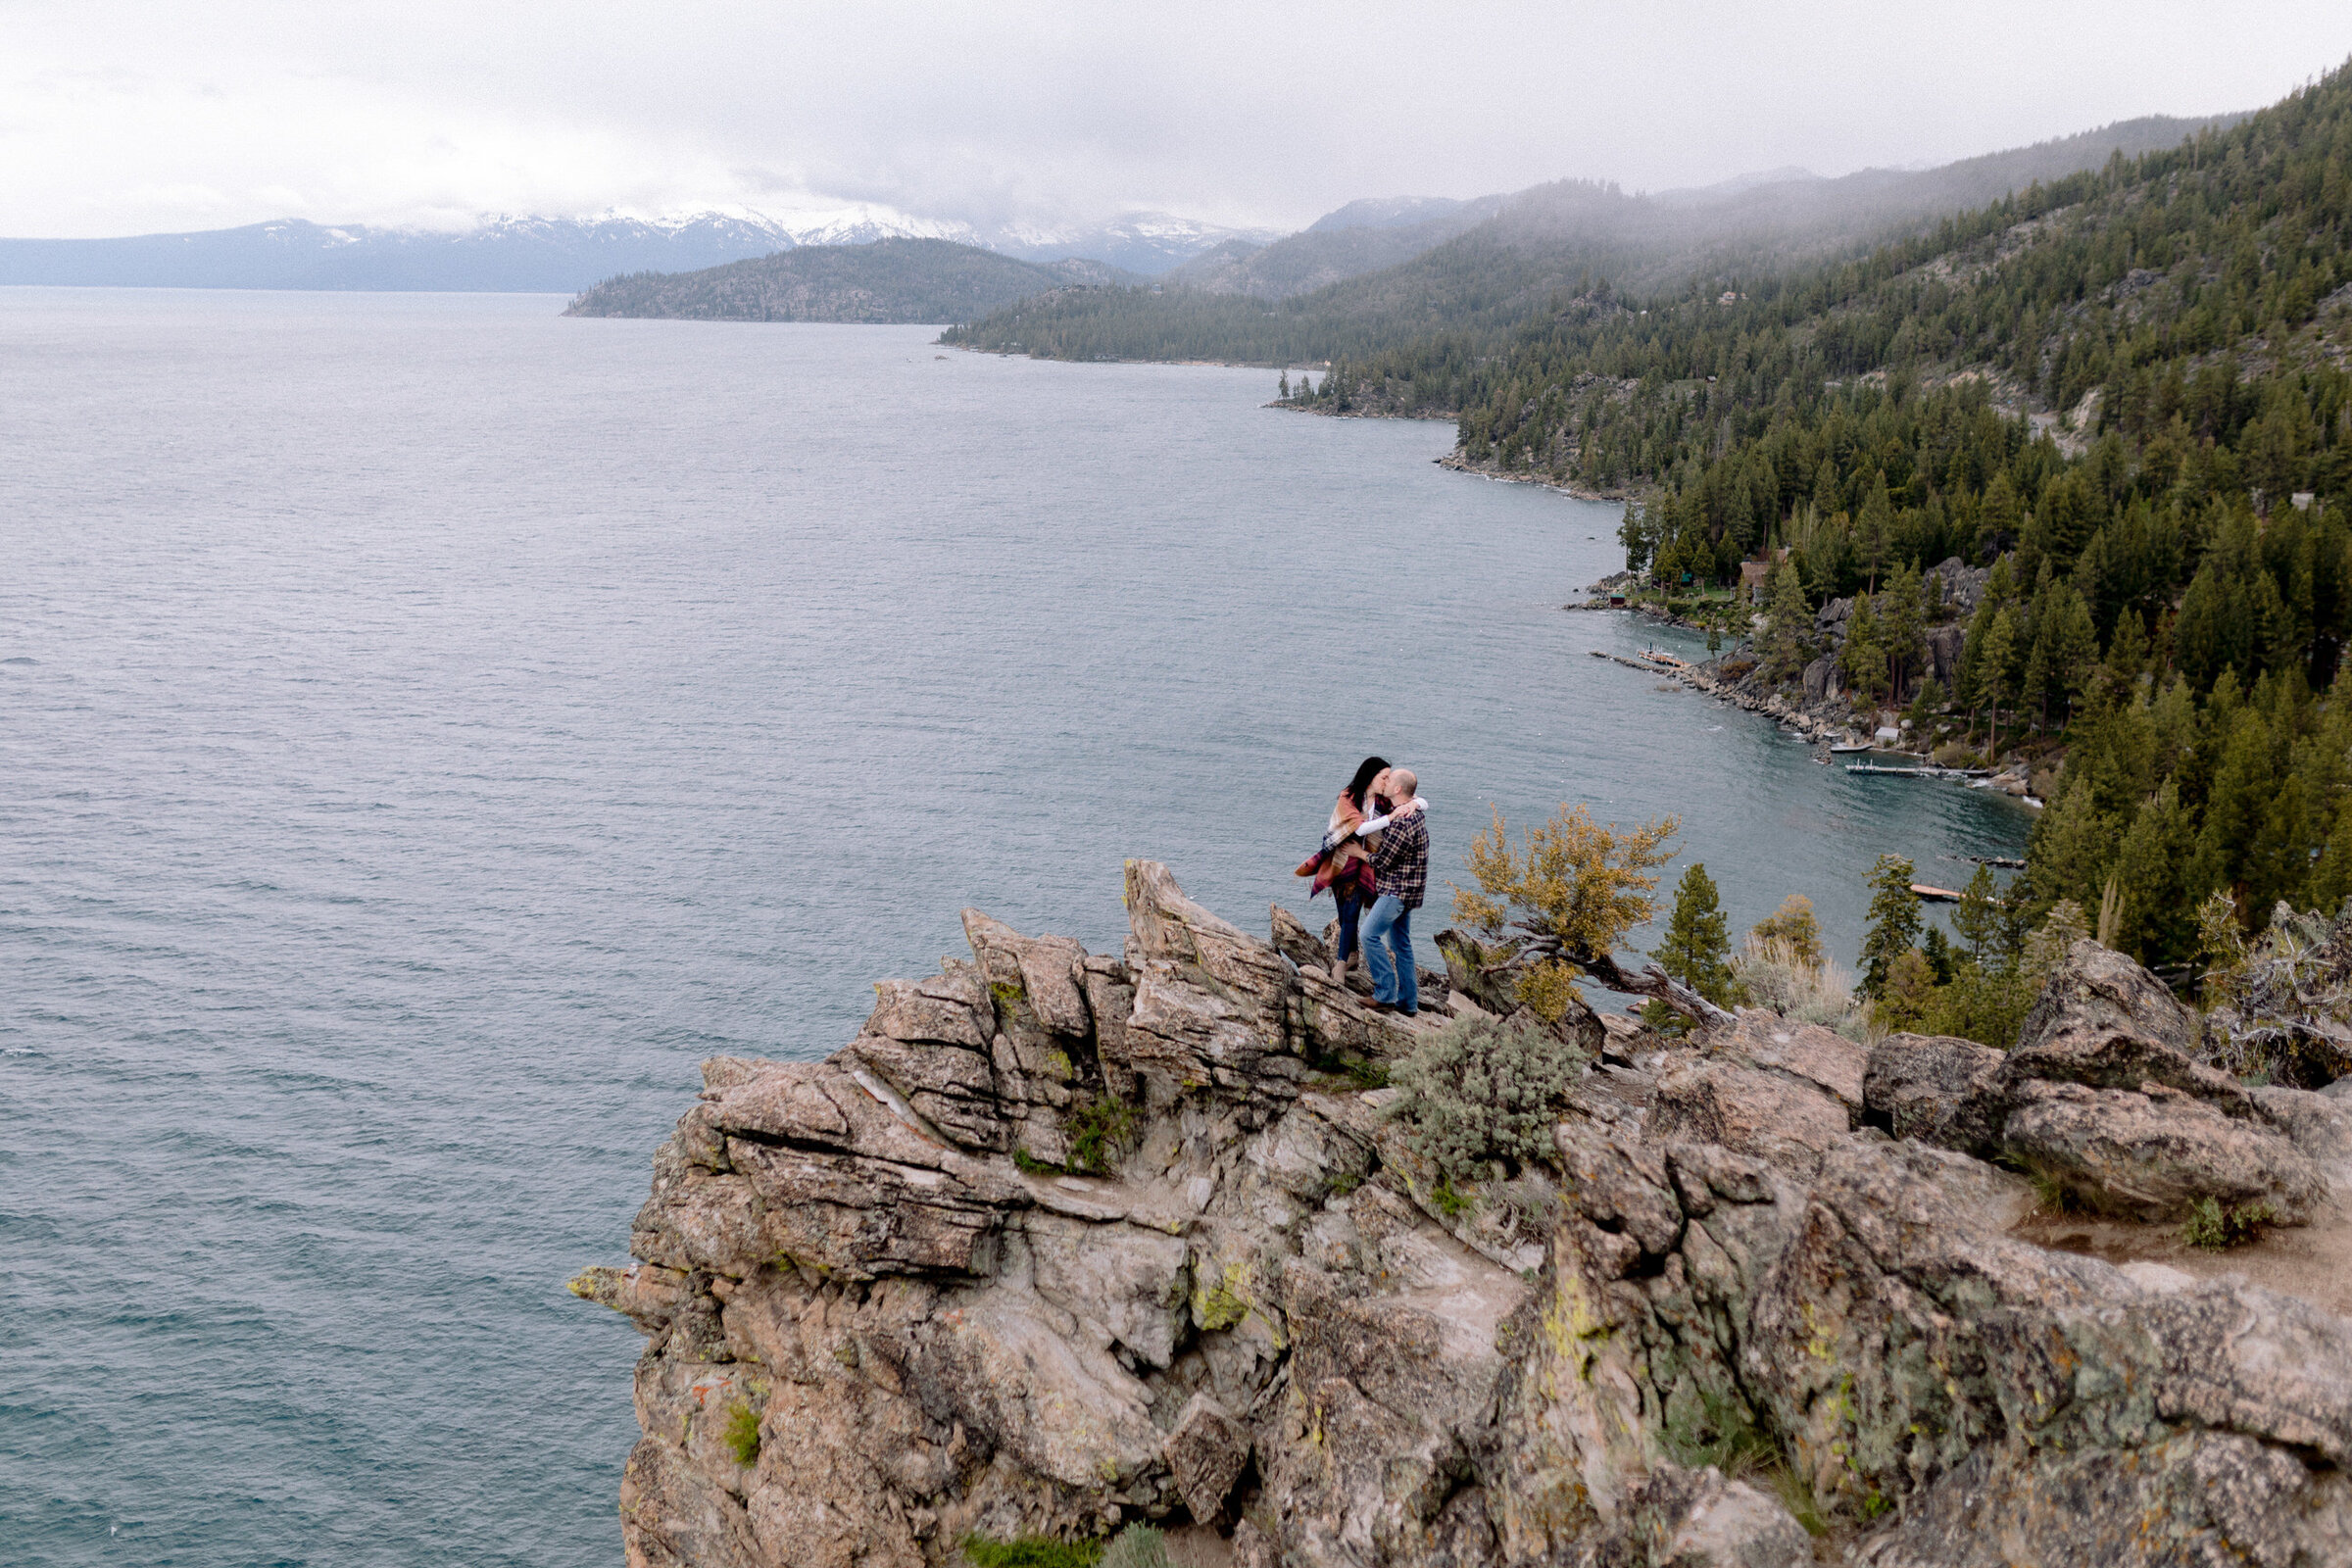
(563, 254)
(1151, 244)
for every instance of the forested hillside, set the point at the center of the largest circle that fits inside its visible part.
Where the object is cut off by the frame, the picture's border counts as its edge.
(887, 280)
(1324, 252)
(1417, 328)
(2128, 391)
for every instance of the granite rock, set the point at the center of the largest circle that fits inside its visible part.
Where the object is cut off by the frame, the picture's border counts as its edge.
(1256, 1315)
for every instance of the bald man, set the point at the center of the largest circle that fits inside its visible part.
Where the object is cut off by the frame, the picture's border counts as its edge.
(1400, 872)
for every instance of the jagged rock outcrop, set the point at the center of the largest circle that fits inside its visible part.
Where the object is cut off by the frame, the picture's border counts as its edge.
(2102, 1099)
(1727, 1301)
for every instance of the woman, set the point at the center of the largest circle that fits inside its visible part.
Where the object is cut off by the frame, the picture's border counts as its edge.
(1343, 863)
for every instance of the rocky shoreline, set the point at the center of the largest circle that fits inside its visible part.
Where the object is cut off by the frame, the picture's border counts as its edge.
(1066, 1242)
(1459, 463)
(1812, 726)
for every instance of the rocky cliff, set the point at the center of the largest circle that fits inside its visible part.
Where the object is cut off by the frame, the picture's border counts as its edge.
(1769, 1302)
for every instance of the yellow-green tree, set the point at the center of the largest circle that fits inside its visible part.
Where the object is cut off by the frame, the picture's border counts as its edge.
(1795, 924)
(1567, 895)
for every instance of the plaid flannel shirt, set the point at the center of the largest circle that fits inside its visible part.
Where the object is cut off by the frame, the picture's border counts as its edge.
(1401, 863)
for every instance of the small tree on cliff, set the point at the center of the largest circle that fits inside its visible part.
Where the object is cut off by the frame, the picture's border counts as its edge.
(1894, 921)
(1575, 890)
(1698, 947)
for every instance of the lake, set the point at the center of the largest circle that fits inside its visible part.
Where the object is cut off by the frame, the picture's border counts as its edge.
(432, 725)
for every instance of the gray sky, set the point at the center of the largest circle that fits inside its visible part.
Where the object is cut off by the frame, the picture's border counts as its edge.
(121, 117)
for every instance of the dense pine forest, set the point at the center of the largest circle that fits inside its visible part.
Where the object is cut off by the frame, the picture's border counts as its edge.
(2126, 392)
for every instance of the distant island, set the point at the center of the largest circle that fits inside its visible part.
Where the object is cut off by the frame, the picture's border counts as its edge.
(889, 280)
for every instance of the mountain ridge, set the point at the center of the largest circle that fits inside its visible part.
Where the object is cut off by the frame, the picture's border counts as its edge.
(1477, 285)
(564, 255)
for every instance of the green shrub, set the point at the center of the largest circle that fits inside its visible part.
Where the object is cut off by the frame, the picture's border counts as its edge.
(1031, 1552)
(741, 1433)
(1479, 1091)
(1100, 1132)
(1137, 1546)
(2216, 1229)
(1720, 1433)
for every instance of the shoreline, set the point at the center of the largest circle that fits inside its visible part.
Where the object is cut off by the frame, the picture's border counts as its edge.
(1812, 727)
(1457, 464)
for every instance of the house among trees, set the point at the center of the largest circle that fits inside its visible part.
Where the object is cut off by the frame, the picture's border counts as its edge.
(1755, 576)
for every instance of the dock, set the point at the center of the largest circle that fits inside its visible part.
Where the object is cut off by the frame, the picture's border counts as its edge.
(1935, 895)
(1928, 771)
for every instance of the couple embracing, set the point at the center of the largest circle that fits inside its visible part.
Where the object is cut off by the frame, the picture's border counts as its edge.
(1375, 861)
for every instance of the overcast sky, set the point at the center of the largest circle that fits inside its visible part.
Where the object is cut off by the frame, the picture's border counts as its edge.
(118, 117)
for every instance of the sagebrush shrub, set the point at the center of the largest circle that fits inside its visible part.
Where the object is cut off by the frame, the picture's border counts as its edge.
(1479, 1090)
(1139, 1546)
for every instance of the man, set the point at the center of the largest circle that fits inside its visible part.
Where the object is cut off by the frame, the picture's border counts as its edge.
(1400, 874)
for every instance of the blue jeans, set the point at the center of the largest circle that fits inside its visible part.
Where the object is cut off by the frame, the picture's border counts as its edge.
(1389, 955)
(1350, 910)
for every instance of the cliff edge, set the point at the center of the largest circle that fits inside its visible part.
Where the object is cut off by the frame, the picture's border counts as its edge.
(1063, 1241)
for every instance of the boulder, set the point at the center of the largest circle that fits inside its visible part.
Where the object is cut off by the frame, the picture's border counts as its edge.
(1962, 585)
(1206, 1453)
(2101, 1100)
(1214, 1006)
(1043, 976)
(1700, 1519)
(2098, 990)
(1821, 1059)
(951, 1011)
(1772, 1116)
(2155, 1155)
(1943, 652)
(1295, 942)
(1927, 1087)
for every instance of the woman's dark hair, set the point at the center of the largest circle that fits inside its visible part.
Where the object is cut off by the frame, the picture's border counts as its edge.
(1366, 771)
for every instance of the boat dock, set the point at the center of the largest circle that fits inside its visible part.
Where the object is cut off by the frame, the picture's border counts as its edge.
(1930, 770)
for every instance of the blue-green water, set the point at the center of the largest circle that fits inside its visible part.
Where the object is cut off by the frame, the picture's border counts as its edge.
(430, 726)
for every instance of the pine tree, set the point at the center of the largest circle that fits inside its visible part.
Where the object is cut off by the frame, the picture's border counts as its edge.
(1827, 500)
(1894, 921)
(1905, 628)
(1636, 535)
(1696, 950)
(1787, 622)
(1874, 530)
(1909, 992)
(2073, 645)
(1977, 918)
(2158, 920)
(1864, 658)
(1284, 392)
(2000, 644)
(1997, 515)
